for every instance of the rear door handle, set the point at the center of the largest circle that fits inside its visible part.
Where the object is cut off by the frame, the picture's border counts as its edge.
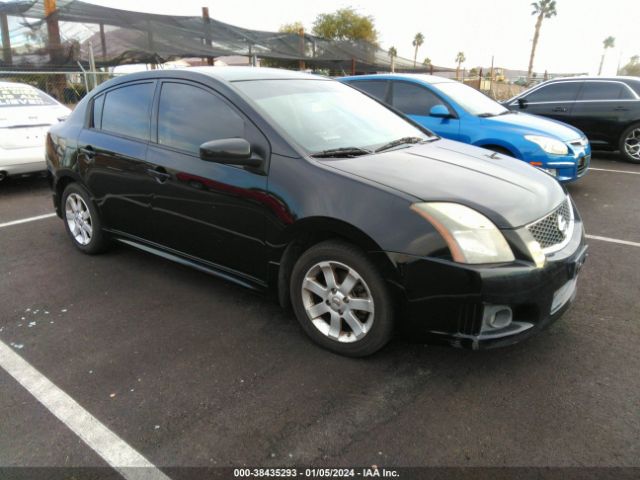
(159, 173)
(559, 109)
(621, 109)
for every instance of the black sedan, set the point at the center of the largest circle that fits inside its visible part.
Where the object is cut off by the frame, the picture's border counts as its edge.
(354, 216)
(607, 110)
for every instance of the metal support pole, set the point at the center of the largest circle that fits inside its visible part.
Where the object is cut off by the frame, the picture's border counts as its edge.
(103, 42)
(6, 40)
(353, 66)
(301, 64)
(207, 32)
(53, 30)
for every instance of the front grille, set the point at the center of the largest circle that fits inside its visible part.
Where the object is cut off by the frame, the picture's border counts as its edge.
(552, 231)
(583, 164)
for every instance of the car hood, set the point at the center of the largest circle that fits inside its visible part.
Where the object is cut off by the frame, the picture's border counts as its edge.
(508, 191)
(533, 124)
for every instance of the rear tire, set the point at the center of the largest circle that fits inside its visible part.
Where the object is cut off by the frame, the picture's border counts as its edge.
(82, 220)
(341, 300)
(629, 144)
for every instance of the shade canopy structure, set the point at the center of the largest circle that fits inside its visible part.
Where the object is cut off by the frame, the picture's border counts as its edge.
(118, 37)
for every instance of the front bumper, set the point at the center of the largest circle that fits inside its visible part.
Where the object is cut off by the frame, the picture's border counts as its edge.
(570, 167)
(451, 303)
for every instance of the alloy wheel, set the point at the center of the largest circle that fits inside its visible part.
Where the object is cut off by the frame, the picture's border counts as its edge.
(338, 301)
(632, 144)
(78, 219)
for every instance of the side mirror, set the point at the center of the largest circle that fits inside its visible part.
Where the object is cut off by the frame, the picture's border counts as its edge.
(439, 111)
(229, 151)
(522, 103)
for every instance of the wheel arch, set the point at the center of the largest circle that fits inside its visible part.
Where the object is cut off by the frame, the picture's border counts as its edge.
(500, 147)
(63, 179)
(308, 232)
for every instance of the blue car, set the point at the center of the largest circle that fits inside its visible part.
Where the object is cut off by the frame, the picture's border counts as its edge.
(459, 112)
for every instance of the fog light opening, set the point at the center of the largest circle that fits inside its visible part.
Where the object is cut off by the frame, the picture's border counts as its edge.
(497, 317)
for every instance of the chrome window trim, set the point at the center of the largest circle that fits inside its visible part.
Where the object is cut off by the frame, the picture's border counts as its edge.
(633, 93)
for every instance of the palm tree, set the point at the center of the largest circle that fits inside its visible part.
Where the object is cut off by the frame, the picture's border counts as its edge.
(418, 40)
(460, 59)
(543, 9)
(393, 53)
(608, 43)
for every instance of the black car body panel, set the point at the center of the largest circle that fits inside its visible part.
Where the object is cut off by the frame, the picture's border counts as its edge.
(602, 107)
(244, 223)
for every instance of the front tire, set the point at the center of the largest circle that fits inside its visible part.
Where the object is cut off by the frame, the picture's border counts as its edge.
(629, 144)
(341, 300)
(82, 220)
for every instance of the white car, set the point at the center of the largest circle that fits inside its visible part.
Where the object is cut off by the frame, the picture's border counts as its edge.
(26, 114)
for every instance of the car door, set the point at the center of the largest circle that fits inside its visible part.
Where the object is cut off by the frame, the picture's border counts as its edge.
(112, 157)
(553, 100)
(416, 101)
(207, 210)
(602, 111)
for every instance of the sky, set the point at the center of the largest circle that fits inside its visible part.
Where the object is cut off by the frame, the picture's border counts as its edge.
(571, 42)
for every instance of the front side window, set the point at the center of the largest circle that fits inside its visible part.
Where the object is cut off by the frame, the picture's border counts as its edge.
(556, 92)
(189, 116)
(375, 88)
(126, 110)
(413, 99)
(604, 91)
(324, 114)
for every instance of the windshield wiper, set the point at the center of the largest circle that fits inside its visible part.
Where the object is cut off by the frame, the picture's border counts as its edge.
(342, 152)
(486, 114)
(401, 141)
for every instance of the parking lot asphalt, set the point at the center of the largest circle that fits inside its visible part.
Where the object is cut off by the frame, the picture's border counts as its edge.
(191, 371)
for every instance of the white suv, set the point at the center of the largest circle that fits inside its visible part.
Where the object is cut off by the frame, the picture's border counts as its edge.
(26, 114)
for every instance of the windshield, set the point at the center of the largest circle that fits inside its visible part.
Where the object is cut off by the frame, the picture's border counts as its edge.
(19, 95)
(473, 101)
(323, 115)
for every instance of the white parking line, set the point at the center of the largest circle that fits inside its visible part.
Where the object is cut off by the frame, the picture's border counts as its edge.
(615, 171)
(26, 220)
(115, 451)
(613, 240)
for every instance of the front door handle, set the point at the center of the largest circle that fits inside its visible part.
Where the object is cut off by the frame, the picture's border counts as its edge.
(559, 109)
(88, 152)
(621, 109)
(159, 173)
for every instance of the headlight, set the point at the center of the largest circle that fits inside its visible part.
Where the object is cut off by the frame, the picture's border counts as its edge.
(471, 237)
(548, 144)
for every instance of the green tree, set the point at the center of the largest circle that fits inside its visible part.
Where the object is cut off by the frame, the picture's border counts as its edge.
(345, 24)
(460, 59)
(427, 62)
(543, 9)
(632, 68)
(608, 42)
(294, 27)
(393, 53)
(418, 40)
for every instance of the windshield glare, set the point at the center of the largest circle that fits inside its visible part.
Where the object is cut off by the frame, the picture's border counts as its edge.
(473, 101)
(323, 114)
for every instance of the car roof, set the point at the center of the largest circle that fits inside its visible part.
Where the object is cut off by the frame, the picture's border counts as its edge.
(619, 78)
(224, 74)
(415, 77)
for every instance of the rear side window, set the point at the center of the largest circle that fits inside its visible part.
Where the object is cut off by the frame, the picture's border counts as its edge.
(20, 95)
(375, 88)
(413, 99)
(604, 91)
(188, 116)
(556, 92)
(126, 110)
